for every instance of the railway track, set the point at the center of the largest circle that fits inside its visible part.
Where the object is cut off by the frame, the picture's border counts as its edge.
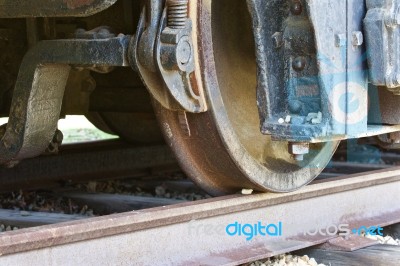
(144, 227)
(119, 159)
(245, 96)
(89, 161)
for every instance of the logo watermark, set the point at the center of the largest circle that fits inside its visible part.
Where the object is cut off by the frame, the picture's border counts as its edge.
(252, 230)
(249, 231)
(345, 230)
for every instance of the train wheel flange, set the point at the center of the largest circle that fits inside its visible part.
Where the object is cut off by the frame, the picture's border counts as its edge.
(223, 151)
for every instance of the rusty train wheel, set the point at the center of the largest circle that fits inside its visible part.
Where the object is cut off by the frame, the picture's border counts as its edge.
(225, 150)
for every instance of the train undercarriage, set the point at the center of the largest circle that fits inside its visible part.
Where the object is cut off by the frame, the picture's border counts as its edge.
(249, 94)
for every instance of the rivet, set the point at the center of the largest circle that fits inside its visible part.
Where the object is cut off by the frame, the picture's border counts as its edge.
(296, 8)
(358, 38)
(299, 63)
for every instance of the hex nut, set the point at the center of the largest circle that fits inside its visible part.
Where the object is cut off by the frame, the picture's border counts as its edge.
(340, 40)
(298, 150)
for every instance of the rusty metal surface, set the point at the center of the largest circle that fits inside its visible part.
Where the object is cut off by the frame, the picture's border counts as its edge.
(350, 243)
(225, 151)
(52, 8)
(130, 238)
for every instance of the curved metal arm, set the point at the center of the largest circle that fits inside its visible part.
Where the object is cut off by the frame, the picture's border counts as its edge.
(39, 90)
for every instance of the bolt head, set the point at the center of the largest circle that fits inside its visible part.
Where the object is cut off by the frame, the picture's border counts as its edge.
(340, 40)
(295, 106)
(298, 148)
(299, 63)
(296, 8)
(358, 38)
(184, 51)
(277, 39)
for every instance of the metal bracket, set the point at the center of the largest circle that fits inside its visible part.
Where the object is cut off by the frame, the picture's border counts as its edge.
(312, 78)
(39, 90)
(169, 72)
(175, 59)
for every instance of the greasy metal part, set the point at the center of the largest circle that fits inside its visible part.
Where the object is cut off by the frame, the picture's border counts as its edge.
(146, 35)
(52, 8)
(225, 151)
(169, 73)
(175, 57)
(382, 38)
(84, 162)
(144, 61)
(39, 90)
(199, 227)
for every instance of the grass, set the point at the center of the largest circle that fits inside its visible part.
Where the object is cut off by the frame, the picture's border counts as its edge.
(77, 129)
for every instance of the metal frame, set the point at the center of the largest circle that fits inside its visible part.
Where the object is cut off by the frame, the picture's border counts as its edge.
(309, 78)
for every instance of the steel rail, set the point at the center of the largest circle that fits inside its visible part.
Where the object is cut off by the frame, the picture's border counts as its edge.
(83, 162)
(177, 235)
(114, 159)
